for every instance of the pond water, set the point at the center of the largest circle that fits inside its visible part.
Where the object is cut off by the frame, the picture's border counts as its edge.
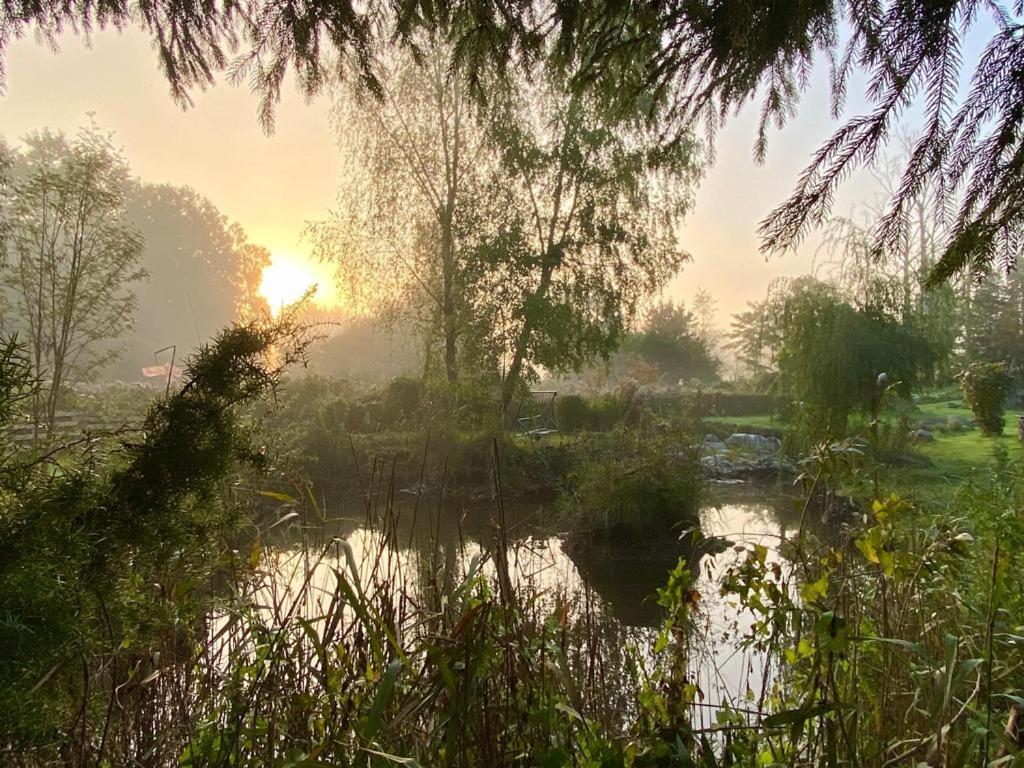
(423, 541)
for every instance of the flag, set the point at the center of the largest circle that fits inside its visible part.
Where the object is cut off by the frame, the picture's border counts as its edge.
(152, 371)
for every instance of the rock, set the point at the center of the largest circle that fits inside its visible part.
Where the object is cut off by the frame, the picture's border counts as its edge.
(956, 423)
(922, 436)
(712, 445)
(757, 443)
(712, 462)
(717, 467)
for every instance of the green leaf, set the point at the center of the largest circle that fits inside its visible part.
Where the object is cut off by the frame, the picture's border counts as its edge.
(380, 701)
(283, 519)
(282, 497)
(392, 758)
(555, 758)
(569, 711)
(914, 648)
(1018, 700)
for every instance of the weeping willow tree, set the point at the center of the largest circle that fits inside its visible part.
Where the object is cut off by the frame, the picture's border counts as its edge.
(835, 359)
(895, 281)
(415, 165)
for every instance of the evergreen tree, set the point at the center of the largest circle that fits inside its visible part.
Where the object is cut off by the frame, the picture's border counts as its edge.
(671, 339)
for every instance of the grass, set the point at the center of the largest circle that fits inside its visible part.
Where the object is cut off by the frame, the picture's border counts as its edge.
(944, 409)
(954, 456)
(636, 492)
(766, 421)
(951, 458)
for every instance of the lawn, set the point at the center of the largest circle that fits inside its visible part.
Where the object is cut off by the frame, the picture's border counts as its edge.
(952, 457)
(748, 422)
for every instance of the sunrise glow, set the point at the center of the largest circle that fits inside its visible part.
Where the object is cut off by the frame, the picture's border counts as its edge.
(288, 278)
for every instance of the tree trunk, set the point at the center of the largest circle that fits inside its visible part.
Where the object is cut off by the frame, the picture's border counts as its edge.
(515, 368)
(451, 364)
(448, 313)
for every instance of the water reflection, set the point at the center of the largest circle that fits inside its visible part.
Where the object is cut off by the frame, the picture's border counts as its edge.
(421, 550)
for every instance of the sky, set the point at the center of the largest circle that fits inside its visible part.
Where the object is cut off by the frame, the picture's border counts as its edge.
(272, 185)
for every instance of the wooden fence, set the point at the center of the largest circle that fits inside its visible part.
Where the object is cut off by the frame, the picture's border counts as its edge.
(67, 424)
(712, 403)
(730, 404)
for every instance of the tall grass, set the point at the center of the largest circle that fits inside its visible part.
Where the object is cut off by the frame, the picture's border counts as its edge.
(637, 489)
(887, 643)
(363, 651)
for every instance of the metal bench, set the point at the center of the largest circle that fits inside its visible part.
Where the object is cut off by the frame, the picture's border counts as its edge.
(543, 421)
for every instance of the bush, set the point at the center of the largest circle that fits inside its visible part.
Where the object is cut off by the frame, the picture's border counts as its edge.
(605, 412)
(573, 413)
(103, 559)
(636, 494)
(986, 387)
(402, 400)
(470, 403)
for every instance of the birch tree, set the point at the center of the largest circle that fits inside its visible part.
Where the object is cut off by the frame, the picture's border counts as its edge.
(411, 164)
(71, 258)
(585, 227)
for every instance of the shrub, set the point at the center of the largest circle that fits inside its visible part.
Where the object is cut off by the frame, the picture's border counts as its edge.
(605, 412)
(471, 403)
(985, 387)
(102, 559)
(636, 494)
(402, 400)
(573, 413)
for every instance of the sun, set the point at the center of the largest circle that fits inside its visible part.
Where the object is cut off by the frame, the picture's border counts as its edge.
(287, 278)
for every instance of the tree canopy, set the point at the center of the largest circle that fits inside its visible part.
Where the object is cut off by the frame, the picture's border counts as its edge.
(671, 340)
(416, 164)
(583, 225)
(203, 272)
(681, 61)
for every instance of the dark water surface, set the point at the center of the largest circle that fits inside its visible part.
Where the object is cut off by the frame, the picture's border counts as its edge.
(613, 596)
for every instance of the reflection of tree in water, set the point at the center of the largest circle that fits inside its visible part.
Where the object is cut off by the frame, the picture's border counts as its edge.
(599, 614)
(606, 657)
(628, 586)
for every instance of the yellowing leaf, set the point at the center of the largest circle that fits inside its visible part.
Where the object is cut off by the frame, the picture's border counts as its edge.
(867, 548)
(815, 590)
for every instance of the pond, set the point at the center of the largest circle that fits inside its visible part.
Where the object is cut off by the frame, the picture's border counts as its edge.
(423, 545)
